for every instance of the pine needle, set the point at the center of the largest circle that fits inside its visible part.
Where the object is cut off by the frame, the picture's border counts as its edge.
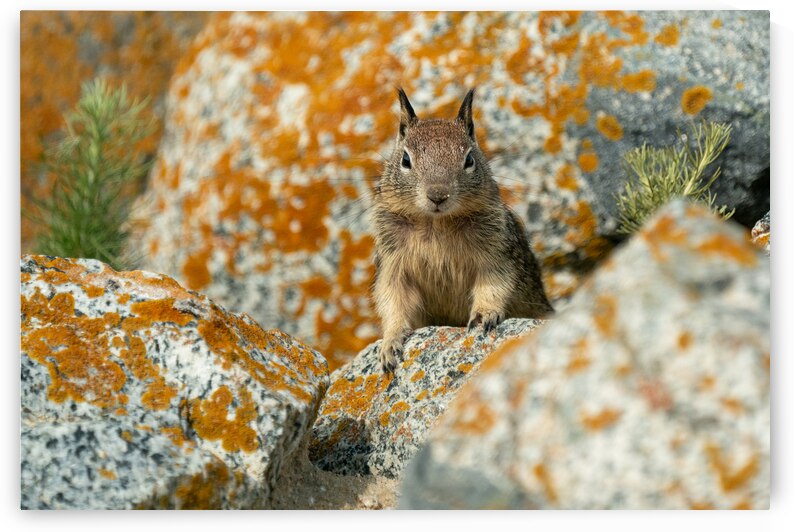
(657, 175)
(87, 208)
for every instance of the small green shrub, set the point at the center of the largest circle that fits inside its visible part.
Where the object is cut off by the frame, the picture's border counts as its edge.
(93, 169)
(656, 175)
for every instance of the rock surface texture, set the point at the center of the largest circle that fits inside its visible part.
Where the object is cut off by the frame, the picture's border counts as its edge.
(370, 423)
(137, 393)
(651, 390)
(761, 233)
(277, 125)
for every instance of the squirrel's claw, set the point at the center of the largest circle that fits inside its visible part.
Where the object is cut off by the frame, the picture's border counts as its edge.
(388, 357)
(489, 320)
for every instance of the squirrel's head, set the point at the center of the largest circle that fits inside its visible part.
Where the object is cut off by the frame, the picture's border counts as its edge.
(437, 168)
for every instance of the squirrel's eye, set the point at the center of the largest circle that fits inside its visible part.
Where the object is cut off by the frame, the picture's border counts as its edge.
(469, 162)
(406, 162)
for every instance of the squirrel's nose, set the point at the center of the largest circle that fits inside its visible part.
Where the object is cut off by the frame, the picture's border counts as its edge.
(437, 196)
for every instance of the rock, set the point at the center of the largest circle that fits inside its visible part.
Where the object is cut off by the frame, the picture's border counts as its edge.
(278, 125)
(704, 66)
(371, 424)
(761, 233)
(137, 393)
(60, 50)
(651, 390)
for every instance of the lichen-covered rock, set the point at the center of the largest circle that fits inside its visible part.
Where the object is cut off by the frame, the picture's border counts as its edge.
(138, 393)
(371, 423)
(60, 50)
(278, 125)
(761, 233)
(651, 390)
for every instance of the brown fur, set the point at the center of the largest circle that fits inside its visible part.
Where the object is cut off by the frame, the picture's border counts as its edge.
(448, 250)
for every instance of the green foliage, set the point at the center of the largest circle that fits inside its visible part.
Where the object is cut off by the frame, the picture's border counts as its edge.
(94, 167)
(659, 174)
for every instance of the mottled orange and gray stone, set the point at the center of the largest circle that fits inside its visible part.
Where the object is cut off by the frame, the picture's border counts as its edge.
(138, 393)
(277, 127)
(372, 424)
(651, 390)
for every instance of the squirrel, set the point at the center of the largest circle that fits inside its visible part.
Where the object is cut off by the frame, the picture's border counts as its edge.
(448, 250)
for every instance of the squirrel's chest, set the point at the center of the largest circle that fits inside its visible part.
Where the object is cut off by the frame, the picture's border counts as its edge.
(441, 258)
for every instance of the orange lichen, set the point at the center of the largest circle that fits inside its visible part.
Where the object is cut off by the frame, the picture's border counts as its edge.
(669, 35)
(707, 382)
(740, 86)
(588, 161)
(642, 81)
(384, 418)
(195, 271)
(107, 473)
(93, 290)
(204, 491)
(684, 340)
(599, 421)
(353, 397)
(422, 395)
(553, 144)
(474, 416)
(543, 476)
(729, 248)
(664, 232)
(624, 370)
(494, 361)
(439, 390)
(210, 420)
(566, 178)
(175, 434)
(604, 314)
(418, 375)
(579, 359)
(716, 23)
(223, 339)
(74, 350)
(582, 223)
(701, 506)
(731, 480)
(609, 126)
(694, 99)
(400, 406)
(465, 367)
(733, 405)
(158, 395)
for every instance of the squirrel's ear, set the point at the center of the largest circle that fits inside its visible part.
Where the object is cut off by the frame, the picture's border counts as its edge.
(464, 114)
(407, 114)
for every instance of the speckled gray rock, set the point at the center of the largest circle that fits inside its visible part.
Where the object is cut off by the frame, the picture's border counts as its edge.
(137, 393)
(651, 390)
(717, 68)
(370, 423)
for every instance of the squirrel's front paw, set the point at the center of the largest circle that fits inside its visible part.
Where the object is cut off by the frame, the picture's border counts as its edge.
(389, 352)
(488, 318)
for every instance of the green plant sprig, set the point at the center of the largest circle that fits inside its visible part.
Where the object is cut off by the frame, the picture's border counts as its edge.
(658, 175)
(92, 168)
